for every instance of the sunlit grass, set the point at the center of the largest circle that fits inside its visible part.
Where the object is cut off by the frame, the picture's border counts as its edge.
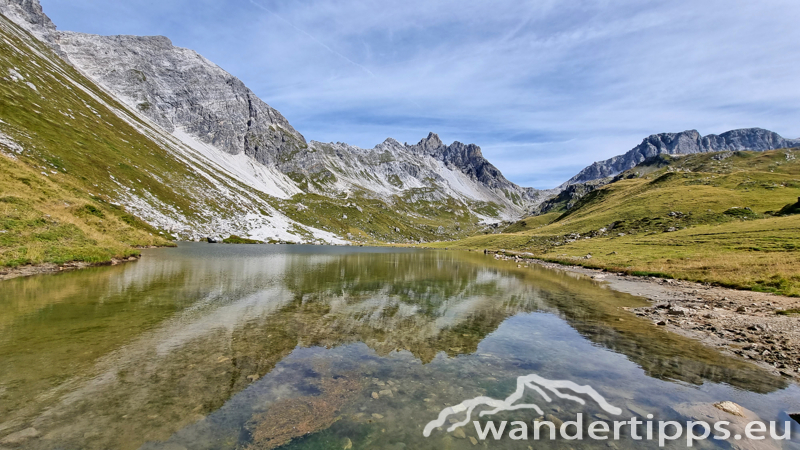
(679, 224)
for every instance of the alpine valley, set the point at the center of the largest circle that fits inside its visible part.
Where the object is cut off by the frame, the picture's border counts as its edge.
(111, 143)
(660, 285)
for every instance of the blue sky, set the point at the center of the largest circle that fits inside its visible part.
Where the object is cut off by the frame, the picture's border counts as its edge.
(544, 87)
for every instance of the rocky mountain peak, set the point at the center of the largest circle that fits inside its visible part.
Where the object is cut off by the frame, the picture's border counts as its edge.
(684, 143)
(431, 141)
(184, 92)
(29, 15)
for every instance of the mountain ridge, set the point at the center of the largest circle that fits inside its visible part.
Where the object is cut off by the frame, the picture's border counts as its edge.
(683, 143)
(182, 91)
(108, 151)
(162, 81)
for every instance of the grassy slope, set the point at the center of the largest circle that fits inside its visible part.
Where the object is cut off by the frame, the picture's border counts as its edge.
(68, 146)
(713, 242)
(46, 213)
(377, 221)
(41, 221)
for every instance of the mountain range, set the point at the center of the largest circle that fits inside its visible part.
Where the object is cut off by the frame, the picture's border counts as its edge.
(197, 154)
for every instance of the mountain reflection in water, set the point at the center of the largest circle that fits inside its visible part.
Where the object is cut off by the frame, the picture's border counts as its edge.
(198, 345)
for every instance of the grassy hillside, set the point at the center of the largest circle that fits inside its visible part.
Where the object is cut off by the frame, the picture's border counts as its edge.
(41, 221)
(411, 218)
(50, 129)
(709, 217)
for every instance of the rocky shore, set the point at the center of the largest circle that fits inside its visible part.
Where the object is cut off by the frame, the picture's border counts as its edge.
(759, 327)
(7, 273)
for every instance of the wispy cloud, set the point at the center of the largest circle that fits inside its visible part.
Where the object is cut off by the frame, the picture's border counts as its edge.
(545, 87)
(258, 5)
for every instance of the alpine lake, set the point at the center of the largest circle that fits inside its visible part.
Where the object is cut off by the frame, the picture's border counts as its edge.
(212, 346)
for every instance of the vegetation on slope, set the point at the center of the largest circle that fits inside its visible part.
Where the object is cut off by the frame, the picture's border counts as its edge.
(41, 221)
(63, 159)
(66, 134)
(240, 240)
(707, 217)
(416, 216)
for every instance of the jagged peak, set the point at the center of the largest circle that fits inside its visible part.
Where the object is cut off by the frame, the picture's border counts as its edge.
(390, 141)
(29, 15)
(432, 141)
(693, 134)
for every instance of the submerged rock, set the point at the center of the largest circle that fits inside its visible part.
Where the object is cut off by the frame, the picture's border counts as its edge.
(20, 436)
(737, 416)
(730, 408)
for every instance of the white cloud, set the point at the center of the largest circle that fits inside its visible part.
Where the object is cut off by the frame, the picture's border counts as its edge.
(545, 87)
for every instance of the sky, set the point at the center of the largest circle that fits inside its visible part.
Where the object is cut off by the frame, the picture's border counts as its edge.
(544, 87)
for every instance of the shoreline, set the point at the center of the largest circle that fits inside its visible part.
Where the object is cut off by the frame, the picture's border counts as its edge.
(738, 323)
(28, 270)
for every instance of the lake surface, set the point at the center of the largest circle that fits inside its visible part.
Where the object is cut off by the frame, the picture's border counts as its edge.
(311, 347)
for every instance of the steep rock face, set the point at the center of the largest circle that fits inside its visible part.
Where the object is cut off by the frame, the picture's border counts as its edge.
(183, 92)
(466, 158)
(107, 153)
(178, 88)
(29, 15)
(685, 143)
(391, 168)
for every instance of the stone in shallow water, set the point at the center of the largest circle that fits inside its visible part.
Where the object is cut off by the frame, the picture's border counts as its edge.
(556, 421)
(730, 408)
(737, 423)
(20, 436)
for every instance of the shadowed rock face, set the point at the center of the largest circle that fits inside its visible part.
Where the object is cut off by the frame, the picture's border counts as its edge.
(465, 157)
(685, 143)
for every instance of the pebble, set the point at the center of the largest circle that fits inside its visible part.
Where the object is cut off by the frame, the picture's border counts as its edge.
(730, 408)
